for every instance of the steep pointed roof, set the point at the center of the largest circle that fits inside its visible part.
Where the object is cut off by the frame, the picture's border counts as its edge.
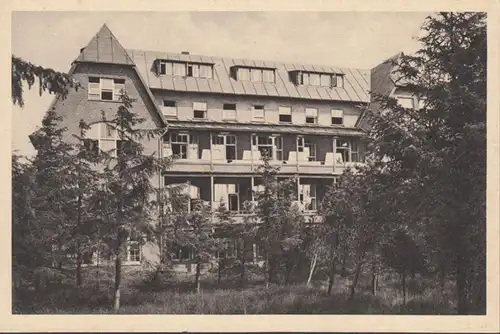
(104, 47)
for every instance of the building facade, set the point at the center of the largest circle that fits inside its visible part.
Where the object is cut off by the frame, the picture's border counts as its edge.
(222, 115)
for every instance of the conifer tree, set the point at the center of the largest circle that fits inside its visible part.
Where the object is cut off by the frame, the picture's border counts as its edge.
(126, 196)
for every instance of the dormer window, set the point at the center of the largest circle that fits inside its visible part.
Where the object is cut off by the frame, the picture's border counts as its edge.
(185, 69)
(253, 74)
(317, 79)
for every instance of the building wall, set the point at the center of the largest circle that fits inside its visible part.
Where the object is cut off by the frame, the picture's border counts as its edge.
(244, 106)
(77, 106)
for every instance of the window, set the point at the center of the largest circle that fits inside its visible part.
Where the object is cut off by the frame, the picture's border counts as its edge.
(243, 74)
(312, 149)
(354, 151)
(199, 110)
(134, 251)
(344, 149)
(340, 81)
(307, 196)
(326, 80)
(256, 75)
(311, 115)
(278, 142)
(91, 145)
(182, 253)
(258, 113)
(285, 114)
(206, 71)
(169, 108)
(405, 102)
(105, 89)
(268, 75)
(422, 103)
(230, 249)
(230, 148)
(337, 117)
(264, 144)
(179, 144)
(229, 111)
(314, 79)
(179, 69)
(228, 143)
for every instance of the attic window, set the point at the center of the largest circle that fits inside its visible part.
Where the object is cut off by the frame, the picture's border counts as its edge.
(254, 74)
(317, 79)
(185, 69)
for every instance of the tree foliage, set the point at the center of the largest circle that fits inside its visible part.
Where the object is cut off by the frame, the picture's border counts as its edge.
(24, 72)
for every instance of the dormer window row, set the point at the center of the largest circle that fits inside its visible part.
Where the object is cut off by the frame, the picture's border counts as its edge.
(253, 74)
(185, 69)
(321, 79)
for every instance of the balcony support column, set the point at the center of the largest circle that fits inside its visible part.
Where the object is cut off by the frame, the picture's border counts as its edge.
(334, 147)
(211, 153)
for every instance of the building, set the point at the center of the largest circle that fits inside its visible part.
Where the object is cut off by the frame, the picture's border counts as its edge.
(222, 114)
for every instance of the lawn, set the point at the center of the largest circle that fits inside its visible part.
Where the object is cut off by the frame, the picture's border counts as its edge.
(174, 295)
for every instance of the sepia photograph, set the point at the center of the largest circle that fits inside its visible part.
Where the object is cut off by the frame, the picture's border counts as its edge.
(249, 162)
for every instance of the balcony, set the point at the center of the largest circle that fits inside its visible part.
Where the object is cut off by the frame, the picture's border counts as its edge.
(241, 153)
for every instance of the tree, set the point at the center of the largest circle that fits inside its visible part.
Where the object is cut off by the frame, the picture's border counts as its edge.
(48, 80)
(280, 221)
(126, 196)
(53, 187)
(438, 153)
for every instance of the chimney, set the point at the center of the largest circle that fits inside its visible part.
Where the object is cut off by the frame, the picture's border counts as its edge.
(185, 52)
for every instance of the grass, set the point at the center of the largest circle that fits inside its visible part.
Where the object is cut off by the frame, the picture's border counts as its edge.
(174, 296)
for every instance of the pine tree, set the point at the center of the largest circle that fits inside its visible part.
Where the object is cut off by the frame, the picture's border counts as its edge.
(438, 153)
(126, 196)
(48, 80)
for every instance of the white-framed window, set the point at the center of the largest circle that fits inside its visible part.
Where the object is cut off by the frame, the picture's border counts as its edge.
(307, 196)
(258, 113)
(268, 76)
(307, 143)
(179, 145)
(314, 79)
(255, 74)
(243, 74)
(405, 102)
(340, 81)
(311, 115)
(133, 251)
(229, 193)
(226, 142)
(105, 89)
(200, 110)
(229, 111)
(104, 137)
(169, 108)
(264, 144)
(187, 69)
(326, 80)
(337, 116)
(285, 114)
(347, 150)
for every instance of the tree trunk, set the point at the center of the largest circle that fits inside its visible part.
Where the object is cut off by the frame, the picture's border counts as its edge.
(403, 286)
(374, 282)
(78, 266)
(312, 267)
(118, 279)
(197, 276)
(355, 280)
(343, 271)
(462, 302)
(266, 269)
(243, 264)
(331, 275)
(219, 271)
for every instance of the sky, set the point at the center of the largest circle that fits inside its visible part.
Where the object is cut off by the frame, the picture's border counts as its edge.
(344, 39)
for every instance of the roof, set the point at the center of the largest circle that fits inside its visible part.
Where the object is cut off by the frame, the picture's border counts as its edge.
(274, 128)
(104, 48)
(356, 81)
